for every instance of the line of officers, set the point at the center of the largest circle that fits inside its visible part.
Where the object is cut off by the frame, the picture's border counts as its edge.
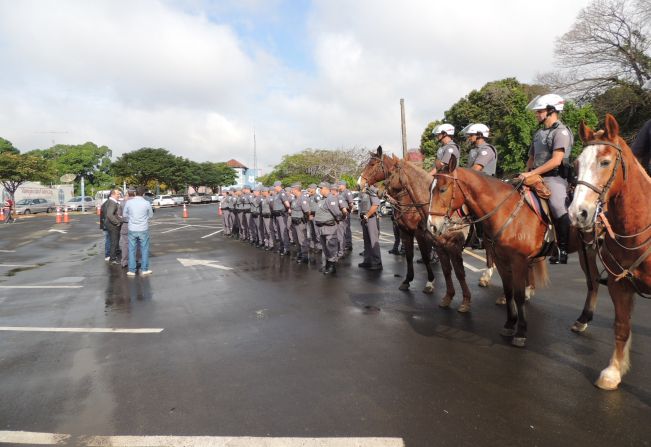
(316, 220)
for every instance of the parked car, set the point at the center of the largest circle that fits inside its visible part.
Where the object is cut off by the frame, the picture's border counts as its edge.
(75, 203)
(178, 200)
(149, 197)
(205, 198)
(216, 198)
(195, 198)
(385, 208)
(163, 200)
(33, 206)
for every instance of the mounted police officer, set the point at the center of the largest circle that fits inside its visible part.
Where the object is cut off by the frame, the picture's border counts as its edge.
(327, 214)
(300, 213)
(313, 233)
(443, 134)
(369, 203)
(279, 211)
(549, 156)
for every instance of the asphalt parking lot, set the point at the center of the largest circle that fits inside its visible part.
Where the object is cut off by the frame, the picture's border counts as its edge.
(227, 343)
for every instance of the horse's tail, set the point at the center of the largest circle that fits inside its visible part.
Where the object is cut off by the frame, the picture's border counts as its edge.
(540, 272)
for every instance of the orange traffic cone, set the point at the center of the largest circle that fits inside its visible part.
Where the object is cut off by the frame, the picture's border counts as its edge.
(66, 217)
(58, 215)
(185, 212)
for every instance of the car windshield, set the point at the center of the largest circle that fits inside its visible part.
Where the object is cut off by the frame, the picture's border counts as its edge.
(75, 199)
(23, 202)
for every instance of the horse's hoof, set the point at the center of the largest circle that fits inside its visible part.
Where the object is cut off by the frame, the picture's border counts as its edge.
(519, 342)
(579, 327)
(529, 293)
(404, 286)
(445, 302)
(609, 379)
(465, 307)
(428, 289)
(506, 332)
(501, 300)
(484, 282)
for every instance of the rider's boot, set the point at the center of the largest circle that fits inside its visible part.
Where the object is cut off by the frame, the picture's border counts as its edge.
(563, 236)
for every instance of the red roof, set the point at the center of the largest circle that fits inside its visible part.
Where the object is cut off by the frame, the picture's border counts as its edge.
(232, 163)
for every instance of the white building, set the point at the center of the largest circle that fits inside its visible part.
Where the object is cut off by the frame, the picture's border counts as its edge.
(59, 194)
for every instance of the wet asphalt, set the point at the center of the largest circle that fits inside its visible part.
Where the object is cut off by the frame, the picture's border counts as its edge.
(272, 348)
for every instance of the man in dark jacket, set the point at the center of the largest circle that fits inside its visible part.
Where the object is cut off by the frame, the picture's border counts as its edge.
(112, 224)
(107, 237)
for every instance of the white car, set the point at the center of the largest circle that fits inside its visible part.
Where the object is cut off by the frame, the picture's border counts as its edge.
(74, 204)
(164, 200)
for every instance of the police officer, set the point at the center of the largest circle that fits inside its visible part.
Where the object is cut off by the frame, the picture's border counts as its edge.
(369, 203)
(327, 213)
(225, 206)
(642, 145)
(346, 195)
(549, 156)
(245, 206)
(300, 214)
(267, 224)
(341, 220)
(254, 223)
(482, 156)
(313, 230)
(443, 134)
(279, 211)
(237, 212)
(290, 197)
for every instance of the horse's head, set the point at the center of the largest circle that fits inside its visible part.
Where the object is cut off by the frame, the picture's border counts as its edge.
(377, 168)
(600, 169)
(446, 197)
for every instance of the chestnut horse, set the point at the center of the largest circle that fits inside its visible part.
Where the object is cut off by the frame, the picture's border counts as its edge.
(515, 235)
(612, 193)
(408, 187)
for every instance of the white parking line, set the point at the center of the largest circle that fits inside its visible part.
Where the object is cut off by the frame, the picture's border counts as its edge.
(474, 255)
(211, 234)
(18, 265)
(174, 229)
(41, 287)
(100, 330)
(7, 251)
(25, 437)
(471, 268)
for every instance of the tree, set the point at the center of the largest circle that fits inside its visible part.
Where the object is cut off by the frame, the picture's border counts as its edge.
(6, 146)
(16, 169)
(216, 175)
(144, 165)
(608, 46)
(83, 160)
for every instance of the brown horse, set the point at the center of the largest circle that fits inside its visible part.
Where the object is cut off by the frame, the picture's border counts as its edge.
(612, 193)
(409, 188)
(515, 235)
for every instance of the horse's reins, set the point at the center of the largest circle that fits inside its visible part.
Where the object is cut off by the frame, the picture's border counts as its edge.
(601, 215)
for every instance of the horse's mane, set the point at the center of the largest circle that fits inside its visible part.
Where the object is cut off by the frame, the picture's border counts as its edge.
(494, 182)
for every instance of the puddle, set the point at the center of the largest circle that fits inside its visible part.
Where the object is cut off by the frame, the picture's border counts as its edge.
(13, 271)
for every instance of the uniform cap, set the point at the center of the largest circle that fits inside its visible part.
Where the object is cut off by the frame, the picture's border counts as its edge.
(296, 186)
(312, 185)
(324, 185)
(264, 189)
(278, 183)
(341, 183)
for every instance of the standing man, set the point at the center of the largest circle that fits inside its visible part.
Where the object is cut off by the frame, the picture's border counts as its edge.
(8, 208)
(245, 201)
(549, 156)
(279, 211)
(368, 206)
(124, 230)
(347, 196)
(225, 206)
(315, 239)
(266, 229)
(237, 213)
(102, 226)
(112, 224)
(300, 214)
(325, 218)
(254, 223)
(341, 220)
(138, 212)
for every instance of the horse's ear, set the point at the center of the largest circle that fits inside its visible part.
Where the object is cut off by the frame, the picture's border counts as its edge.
(379, 151)
(585, 133)
(396, 159)
(611, 128)
(452, 165)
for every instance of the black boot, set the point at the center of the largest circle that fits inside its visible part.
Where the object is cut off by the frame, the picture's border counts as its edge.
(330, 268)
(563, 236)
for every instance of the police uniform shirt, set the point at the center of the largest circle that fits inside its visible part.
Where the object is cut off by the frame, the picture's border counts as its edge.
(328, 209)
(446, 151)
(225, 203)
(485, 156)
(348, 196)
(279, 201)
(314, 203)
(546, 141)
(364, 202)
(256, 201)
(300, 207)
(265, 205)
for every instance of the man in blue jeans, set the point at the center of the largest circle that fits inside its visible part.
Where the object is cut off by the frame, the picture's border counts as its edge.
(137, 212)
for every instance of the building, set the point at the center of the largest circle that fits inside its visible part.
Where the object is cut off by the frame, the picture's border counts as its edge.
(59, 194)
(245, 175)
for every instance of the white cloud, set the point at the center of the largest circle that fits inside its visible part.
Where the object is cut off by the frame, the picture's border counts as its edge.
(161, 74)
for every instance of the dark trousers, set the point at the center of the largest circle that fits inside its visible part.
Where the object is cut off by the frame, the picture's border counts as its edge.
(114, 237)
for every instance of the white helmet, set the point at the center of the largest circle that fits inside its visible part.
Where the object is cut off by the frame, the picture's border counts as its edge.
(543, 102)
(476, 128)
(447, 128)
(647, 85)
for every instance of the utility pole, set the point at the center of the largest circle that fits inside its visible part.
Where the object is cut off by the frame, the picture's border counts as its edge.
(404, 128)
(255, 160)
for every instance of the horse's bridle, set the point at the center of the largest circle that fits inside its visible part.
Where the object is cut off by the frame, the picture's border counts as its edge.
(603, 191)
(384, 170)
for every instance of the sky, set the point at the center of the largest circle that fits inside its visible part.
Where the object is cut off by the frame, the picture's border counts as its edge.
(198, 77)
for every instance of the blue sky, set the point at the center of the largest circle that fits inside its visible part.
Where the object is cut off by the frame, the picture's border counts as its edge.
(196, 76)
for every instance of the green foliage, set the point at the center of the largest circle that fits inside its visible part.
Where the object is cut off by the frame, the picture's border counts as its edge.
(16, 169)
(316, 165)
(428, 144)
(6, 146)
(572, 116)
(146, 164)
